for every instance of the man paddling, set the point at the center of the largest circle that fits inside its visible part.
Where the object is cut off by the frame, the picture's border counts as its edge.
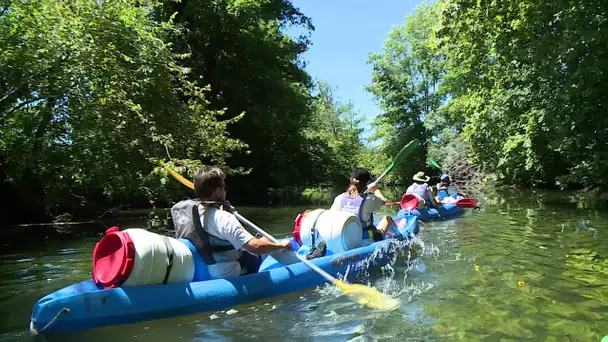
(224, 245)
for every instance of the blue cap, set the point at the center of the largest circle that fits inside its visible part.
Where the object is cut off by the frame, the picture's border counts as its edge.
(444, 178)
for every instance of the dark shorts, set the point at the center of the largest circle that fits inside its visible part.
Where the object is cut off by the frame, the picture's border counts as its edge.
(250, 263)
(376, 235)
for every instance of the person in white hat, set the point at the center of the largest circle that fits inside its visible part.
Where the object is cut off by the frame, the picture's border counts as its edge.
(421, 189)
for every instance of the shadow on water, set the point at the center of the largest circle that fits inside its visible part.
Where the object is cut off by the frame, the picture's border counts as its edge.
(526, 267)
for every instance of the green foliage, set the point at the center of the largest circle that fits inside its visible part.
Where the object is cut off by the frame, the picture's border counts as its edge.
(517, 88)
(376, 161)
(333, 138)
(405, 80)
(319, 196)
(90, 94)
(529, 79)
(238, 49)
(97, 98)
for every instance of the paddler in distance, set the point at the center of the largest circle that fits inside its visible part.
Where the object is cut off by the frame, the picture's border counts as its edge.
(421, 189)
(445, 192)
(224, 245)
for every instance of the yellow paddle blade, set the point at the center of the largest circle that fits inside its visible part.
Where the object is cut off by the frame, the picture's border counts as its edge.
(368, 296)
(181, 179)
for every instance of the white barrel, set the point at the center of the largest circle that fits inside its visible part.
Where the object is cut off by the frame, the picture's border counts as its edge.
(340, 230)
(151, 259)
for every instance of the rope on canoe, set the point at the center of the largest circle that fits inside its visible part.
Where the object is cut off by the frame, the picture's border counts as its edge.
(64, 310)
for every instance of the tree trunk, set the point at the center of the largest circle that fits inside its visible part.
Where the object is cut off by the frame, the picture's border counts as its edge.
(47, 116)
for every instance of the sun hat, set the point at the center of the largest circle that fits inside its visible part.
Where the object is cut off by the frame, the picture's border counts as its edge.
(421, 177)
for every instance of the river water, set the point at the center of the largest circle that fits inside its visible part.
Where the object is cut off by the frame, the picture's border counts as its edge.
(514, 270)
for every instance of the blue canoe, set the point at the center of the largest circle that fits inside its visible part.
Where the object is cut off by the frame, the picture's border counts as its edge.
(447, 211)
(85, 305)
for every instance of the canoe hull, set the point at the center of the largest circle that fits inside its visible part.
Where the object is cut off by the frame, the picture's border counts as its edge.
(446, 212)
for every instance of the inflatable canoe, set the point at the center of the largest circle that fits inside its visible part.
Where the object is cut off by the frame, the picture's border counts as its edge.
(87, 305)
(409, 204)
(447, 211)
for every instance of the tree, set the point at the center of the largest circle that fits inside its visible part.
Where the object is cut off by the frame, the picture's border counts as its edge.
(90, 96)
(529, 79)
(333, 138)
(238, 48)
(406, 77)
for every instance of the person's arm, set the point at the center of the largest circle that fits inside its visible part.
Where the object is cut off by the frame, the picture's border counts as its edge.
(434, 202)
(264, 245)
(239, 237)
(372, 187)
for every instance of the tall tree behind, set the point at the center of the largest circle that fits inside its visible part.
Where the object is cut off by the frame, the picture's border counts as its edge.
(530, 78)
(406, 77)
(239, 50)
(90, 95)
(333, 138)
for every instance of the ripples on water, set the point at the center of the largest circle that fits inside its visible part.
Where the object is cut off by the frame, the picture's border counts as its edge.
(521, 274)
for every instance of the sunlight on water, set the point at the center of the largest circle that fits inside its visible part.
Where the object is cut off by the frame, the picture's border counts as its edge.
(507, 272)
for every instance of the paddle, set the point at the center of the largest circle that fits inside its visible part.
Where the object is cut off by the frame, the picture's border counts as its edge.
(463, 202)
(408, 202)
(467, 203)
(362, 294)
(431, 161)
(403, 153)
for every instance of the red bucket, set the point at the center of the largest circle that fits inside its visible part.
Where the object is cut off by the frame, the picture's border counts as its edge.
(113, 258)
(409, 202)
(296, 228)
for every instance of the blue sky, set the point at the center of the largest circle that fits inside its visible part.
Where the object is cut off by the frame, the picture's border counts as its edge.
(346, 31)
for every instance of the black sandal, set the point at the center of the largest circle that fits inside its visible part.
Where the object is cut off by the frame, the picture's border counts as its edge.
(318, 252)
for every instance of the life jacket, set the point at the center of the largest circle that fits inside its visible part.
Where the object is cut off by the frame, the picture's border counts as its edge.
(420, 190)
(355, 206)
(443, 192)
(187, 223)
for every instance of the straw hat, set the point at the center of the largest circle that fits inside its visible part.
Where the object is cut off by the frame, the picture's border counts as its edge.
(421, 177)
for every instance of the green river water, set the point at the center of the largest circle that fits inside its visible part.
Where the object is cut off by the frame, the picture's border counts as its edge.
(515, 270)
